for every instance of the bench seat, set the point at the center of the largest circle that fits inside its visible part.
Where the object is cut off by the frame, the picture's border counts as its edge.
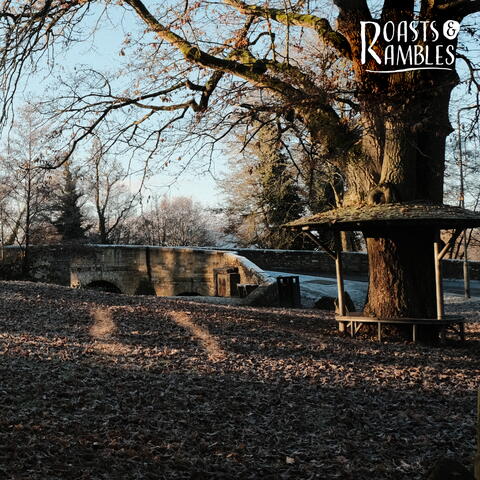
(353, 322)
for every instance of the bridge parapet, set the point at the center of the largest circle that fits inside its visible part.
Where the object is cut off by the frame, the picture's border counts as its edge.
(162, 271)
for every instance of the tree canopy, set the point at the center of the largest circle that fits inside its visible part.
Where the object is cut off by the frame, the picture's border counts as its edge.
(200, 61)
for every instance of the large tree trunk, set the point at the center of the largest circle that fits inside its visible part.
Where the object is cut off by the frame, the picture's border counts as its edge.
(401, 274)
(399, 158)
(401, 262)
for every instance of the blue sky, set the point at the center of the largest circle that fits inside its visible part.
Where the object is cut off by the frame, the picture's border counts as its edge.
(103, 50)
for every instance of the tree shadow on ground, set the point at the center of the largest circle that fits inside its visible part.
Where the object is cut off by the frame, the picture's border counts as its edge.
(136, 391)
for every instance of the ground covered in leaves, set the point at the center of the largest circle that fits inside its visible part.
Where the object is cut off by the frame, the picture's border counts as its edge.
(105, 386)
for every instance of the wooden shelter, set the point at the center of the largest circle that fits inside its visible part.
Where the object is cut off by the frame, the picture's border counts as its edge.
(378, 221)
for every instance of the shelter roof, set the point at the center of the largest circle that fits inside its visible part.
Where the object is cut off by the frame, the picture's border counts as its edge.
(390, 215)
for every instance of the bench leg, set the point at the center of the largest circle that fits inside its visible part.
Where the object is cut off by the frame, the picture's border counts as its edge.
(462, 331)
(341, 327)
(443, 335)
(414, 333)
(352, 329)
(379, 329)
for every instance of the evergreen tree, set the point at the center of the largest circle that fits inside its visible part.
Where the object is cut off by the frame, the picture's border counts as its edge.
(280, 200)
(70, 221)
(262, 194)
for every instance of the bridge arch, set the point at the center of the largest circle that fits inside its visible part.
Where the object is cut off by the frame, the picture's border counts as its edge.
(103, 286)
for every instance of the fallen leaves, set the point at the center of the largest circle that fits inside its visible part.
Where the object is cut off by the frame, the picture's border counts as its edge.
(104, 386)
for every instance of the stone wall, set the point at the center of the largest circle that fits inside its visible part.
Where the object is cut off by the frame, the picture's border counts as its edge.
(48, 263)
(172, 271)
(318, 263)
(139, 270)
(304, 261)
(454, 269)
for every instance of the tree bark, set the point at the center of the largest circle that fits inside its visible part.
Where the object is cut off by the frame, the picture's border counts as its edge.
(412, 150)
(401, 274)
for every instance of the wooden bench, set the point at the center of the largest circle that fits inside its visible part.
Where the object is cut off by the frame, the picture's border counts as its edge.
(354, 322)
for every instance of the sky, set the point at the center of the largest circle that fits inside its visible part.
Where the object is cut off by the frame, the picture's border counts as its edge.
(103, 52)
(197, 183)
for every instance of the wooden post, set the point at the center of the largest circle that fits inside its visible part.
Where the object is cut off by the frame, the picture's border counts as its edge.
(466, 274)
(438, 278)
(339, 272)
(476, 461)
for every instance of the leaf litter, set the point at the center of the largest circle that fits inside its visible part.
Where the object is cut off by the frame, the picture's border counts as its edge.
(102, 386)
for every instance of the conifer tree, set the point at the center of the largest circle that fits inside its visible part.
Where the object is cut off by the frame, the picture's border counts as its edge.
(70, 221)
(263, 193)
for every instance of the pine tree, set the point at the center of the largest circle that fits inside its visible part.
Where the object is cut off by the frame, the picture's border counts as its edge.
(280, 200)
(70, 221)
(262, 193)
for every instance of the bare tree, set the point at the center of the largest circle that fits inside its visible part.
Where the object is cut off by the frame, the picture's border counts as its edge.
(461, 178)
(27, 187)
(173, 222)
(113, 201)
(391, 147)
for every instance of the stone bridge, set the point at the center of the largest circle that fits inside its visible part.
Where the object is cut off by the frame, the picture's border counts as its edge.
(167, 271)
(164, 271)
(147, 270)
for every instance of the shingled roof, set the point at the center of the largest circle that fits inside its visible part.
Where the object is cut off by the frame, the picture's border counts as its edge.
(411, 214)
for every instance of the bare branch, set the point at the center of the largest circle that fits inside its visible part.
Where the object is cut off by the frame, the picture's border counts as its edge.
(321, 116)
(320, 25)
(460, 8)
(473, 71)
(253, 72)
